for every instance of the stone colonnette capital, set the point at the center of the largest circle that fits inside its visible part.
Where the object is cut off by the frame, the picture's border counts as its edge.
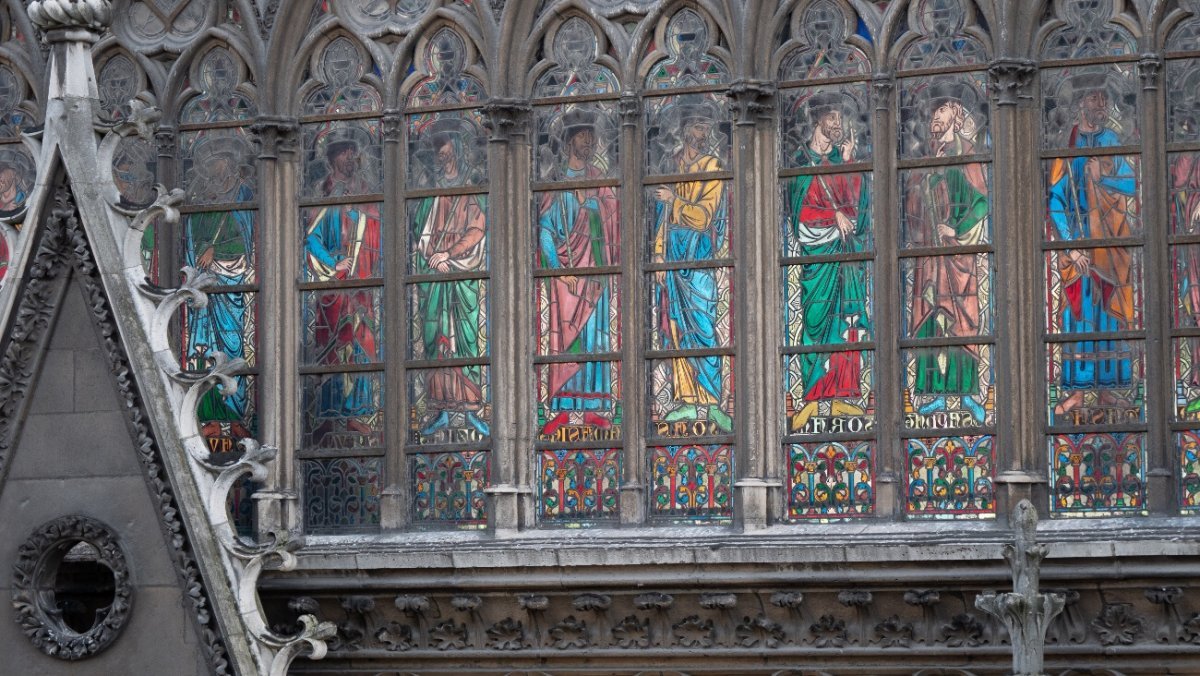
(53, 15)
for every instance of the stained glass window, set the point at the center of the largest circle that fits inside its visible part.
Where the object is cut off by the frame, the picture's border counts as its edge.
(828, 254)
(341, 234)
(1183, 216)
(578, 281)
(447, 375)
(689, 271)
(946, 266)
(1093, 243)
(17, 169)
(219, 235)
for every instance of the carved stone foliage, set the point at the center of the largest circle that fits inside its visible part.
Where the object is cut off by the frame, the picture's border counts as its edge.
(63, 247)
(41, 615)
(560, 625)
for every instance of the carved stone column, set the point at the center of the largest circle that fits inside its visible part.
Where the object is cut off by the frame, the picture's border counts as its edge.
(1162, 459)
(1025, 612)
(633, 368)
(887, 354)
(511, 504)
(277, 502)
(756, 293)
(1020, 373)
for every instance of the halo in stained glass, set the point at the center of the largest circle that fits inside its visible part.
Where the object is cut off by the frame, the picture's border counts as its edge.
(944, 116)
(17, 174)
(687, 134)
(447, 149)
(1089, 106)
(342, 158)
(840, 113)
(218, 166)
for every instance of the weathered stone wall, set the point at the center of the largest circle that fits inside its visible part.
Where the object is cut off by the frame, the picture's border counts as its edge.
(75, 456)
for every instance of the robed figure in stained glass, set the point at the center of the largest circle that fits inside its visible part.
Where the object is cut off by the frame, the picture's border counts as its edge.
(342, 243)
(690, 225)
(949, 207)
(579, 229)
(830, 216)
(1091, 198)
(449, 237)
(220, 243)
(1185, 217)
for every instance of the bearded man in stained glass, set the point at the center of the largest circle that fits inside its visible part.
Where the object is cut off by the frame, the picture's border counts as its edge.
(690, 225)
(343, 243)
(579, 229)
(449, 237)
(949, 208)
(830, 215)
(1091, 197)
(220, 243)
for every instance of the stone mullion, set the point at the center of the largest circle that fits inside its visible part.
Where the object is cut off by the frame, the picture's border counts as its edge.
(511, 320)
(1016, 288)
(395, 501)
(634, 469)
(757, 400)
(888, 376)
(167, 235)
(277, 505)
(1162, 466)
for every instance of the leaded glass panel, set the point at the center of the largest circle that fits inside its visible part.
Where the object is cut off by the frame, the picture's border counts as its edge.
(578, 141)
(342, 158)
(831, 480)
(943, 40)
(944, 116)
(17, 173)
(342, 411)
(218, 78)
(825, 125)
(449, 405)
(1183, 99)
(687, 39)
(692, 482)
(576, 72)
(948, 387)
(1090, 106)
(218, 166)
(1098, 474)
(951, 476)
(448, 488)
(579, 485)
(340, 69)
(687, 134)
(342, 494)
(1089, 33)
(824, 52)
(447, 150)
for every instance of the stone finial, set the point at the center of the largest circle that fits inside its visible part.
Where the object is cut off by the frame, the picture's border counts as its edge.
(48, 15)
(1024, 611)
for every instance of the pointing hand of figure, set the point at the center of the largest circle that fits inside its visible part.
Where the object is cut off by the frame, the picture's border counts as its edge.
(664, 194)
(844, 225)
(205, 260)
(848, 145)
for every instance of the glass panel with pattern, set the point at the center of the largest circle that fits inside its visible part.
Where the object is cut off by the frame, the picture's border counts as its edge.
(1096, 352)
(342, 253)
(1182, 90)
(687, 219)
(449, 418)
(946, 266)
